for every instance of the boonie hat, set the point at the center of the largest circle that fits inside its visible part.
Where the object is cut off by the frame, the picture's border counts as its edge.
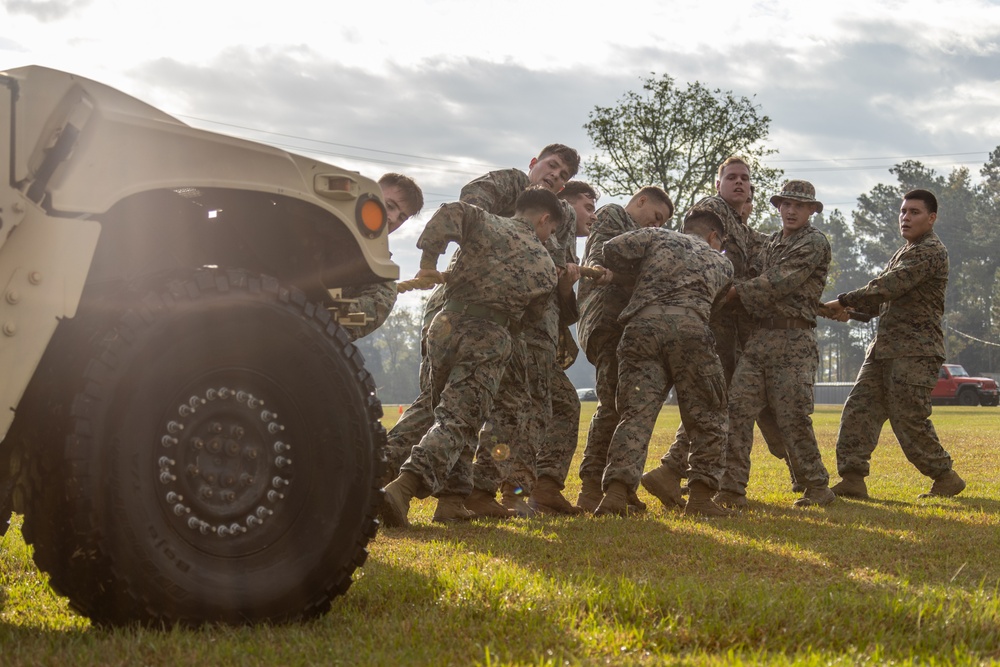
(797, 191)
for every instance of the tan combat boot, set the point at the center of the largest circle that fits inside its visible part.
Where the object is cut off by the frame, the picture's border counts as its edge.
(732, 500)
(396, 502)
(851, 485)
(547, 498)
(700, 501)
(817, 495)
(451, 508)
(946, 485)
(513, 498)
(615, 501)
(635, 506)
(590, 494)
(665, 484)
(482, 504)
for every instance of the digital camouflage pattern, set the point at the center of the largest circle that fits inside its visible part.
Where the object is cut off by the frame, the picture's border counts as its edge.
(516, 431)
(562, 435)
(467, 357)
(495, 192)
(504, 267)
(660, 350)
(731, 324)
(600, 331)
(897, 389)
(778, 367)
(375, 300)
(509, 441)
(670, 269)
(902, 362)
(908, 297)
(600, 305)
(791, 276)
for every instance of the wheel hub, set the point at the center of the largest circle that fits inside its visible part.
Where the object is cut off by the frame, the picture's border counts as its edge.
(224, 468)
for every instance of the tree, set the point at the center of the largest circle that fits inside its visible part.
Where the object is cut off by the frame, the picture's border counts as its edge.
(841, 344)
(392, 356)
(967, 214)
(677, 139)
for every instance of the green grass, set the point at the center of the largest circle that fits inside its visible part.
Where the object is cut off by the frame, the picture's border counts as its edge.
(892, 581)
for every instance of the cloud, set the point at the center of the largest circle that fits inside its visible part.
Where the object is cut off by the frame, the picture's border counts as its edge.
(867, 90)
(45, 10)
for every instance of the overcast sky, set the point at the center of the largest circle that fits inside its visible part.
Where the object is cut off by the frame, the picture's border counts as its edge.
(445, 90)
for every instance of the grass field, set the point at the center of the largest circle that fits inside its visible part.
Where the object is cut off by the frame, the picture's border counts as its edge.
(896, 580)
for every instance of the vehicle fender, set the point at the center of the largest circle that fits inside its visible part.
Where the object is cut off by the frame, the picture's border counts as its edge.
(43, 267)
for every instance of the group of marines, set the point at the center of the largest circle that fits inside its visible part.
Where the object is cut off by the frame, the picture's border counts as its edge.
(722, 313)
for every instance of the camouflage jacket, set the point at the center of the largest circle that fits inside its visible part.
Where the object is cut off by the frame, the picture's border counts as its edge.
(673, 269)
(496, 192)
(742, 243)
(791, 275)
(375, 300)
(601, 305)
(908, 297)
(502, 266)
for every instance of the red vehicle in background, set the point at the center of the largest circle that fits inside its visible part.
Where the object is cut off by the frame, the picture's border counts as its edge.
(956, 386)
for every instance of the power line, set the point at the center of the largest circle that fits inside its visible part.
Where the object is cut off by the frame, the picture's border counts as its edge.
(372, 160)
(334, 143)
(888, 157)
(878, 167)
(492, 167)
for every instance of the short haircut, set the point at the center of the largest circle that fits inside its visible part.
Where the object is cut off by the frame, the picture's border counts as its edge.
(568, 155)
(657, 193)
(538, 199)
(926, 196)
(703, 221)
(574, 189)
(411, 191)
(732, 159)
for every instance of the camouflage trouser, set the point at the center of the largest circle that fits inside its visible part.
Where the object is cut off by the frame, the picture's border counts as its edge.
(656, 353)
(777, 370)
(602, 351)
(732, 330)
(898, 390)
(503, 440)
(563, 433)
(467, 358)
(413, 423)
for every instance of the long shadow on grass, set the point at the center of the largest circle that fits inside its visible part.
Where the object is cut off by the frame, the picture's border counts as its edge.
(450, 613)
(849, 577)
(931, 544)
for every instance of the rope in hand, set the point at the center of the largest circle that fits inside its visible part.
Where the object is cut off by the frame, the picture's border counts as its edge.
(427, 282)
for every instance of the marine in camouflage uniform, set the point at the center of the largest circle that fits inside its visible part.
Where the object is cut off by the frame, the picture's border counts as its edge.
(510, 438)
(503, 275)
(778, 367)
(375, 300)
(732, 326)
(600, 330)
(902, 363)
(667, 342)
(495, 192)
(403, 199)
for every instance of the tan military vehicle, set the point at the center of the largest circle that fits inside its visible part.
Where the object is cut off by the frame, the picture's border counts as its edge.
(185, 426)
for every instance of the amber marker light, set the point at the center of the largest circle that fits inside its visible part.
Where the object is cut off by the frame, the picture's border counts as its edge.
(371, 216)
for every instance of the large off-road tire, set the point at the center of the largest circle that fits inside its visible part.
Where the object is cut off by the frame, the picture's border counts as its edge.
(216, 462)
(967, 396)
